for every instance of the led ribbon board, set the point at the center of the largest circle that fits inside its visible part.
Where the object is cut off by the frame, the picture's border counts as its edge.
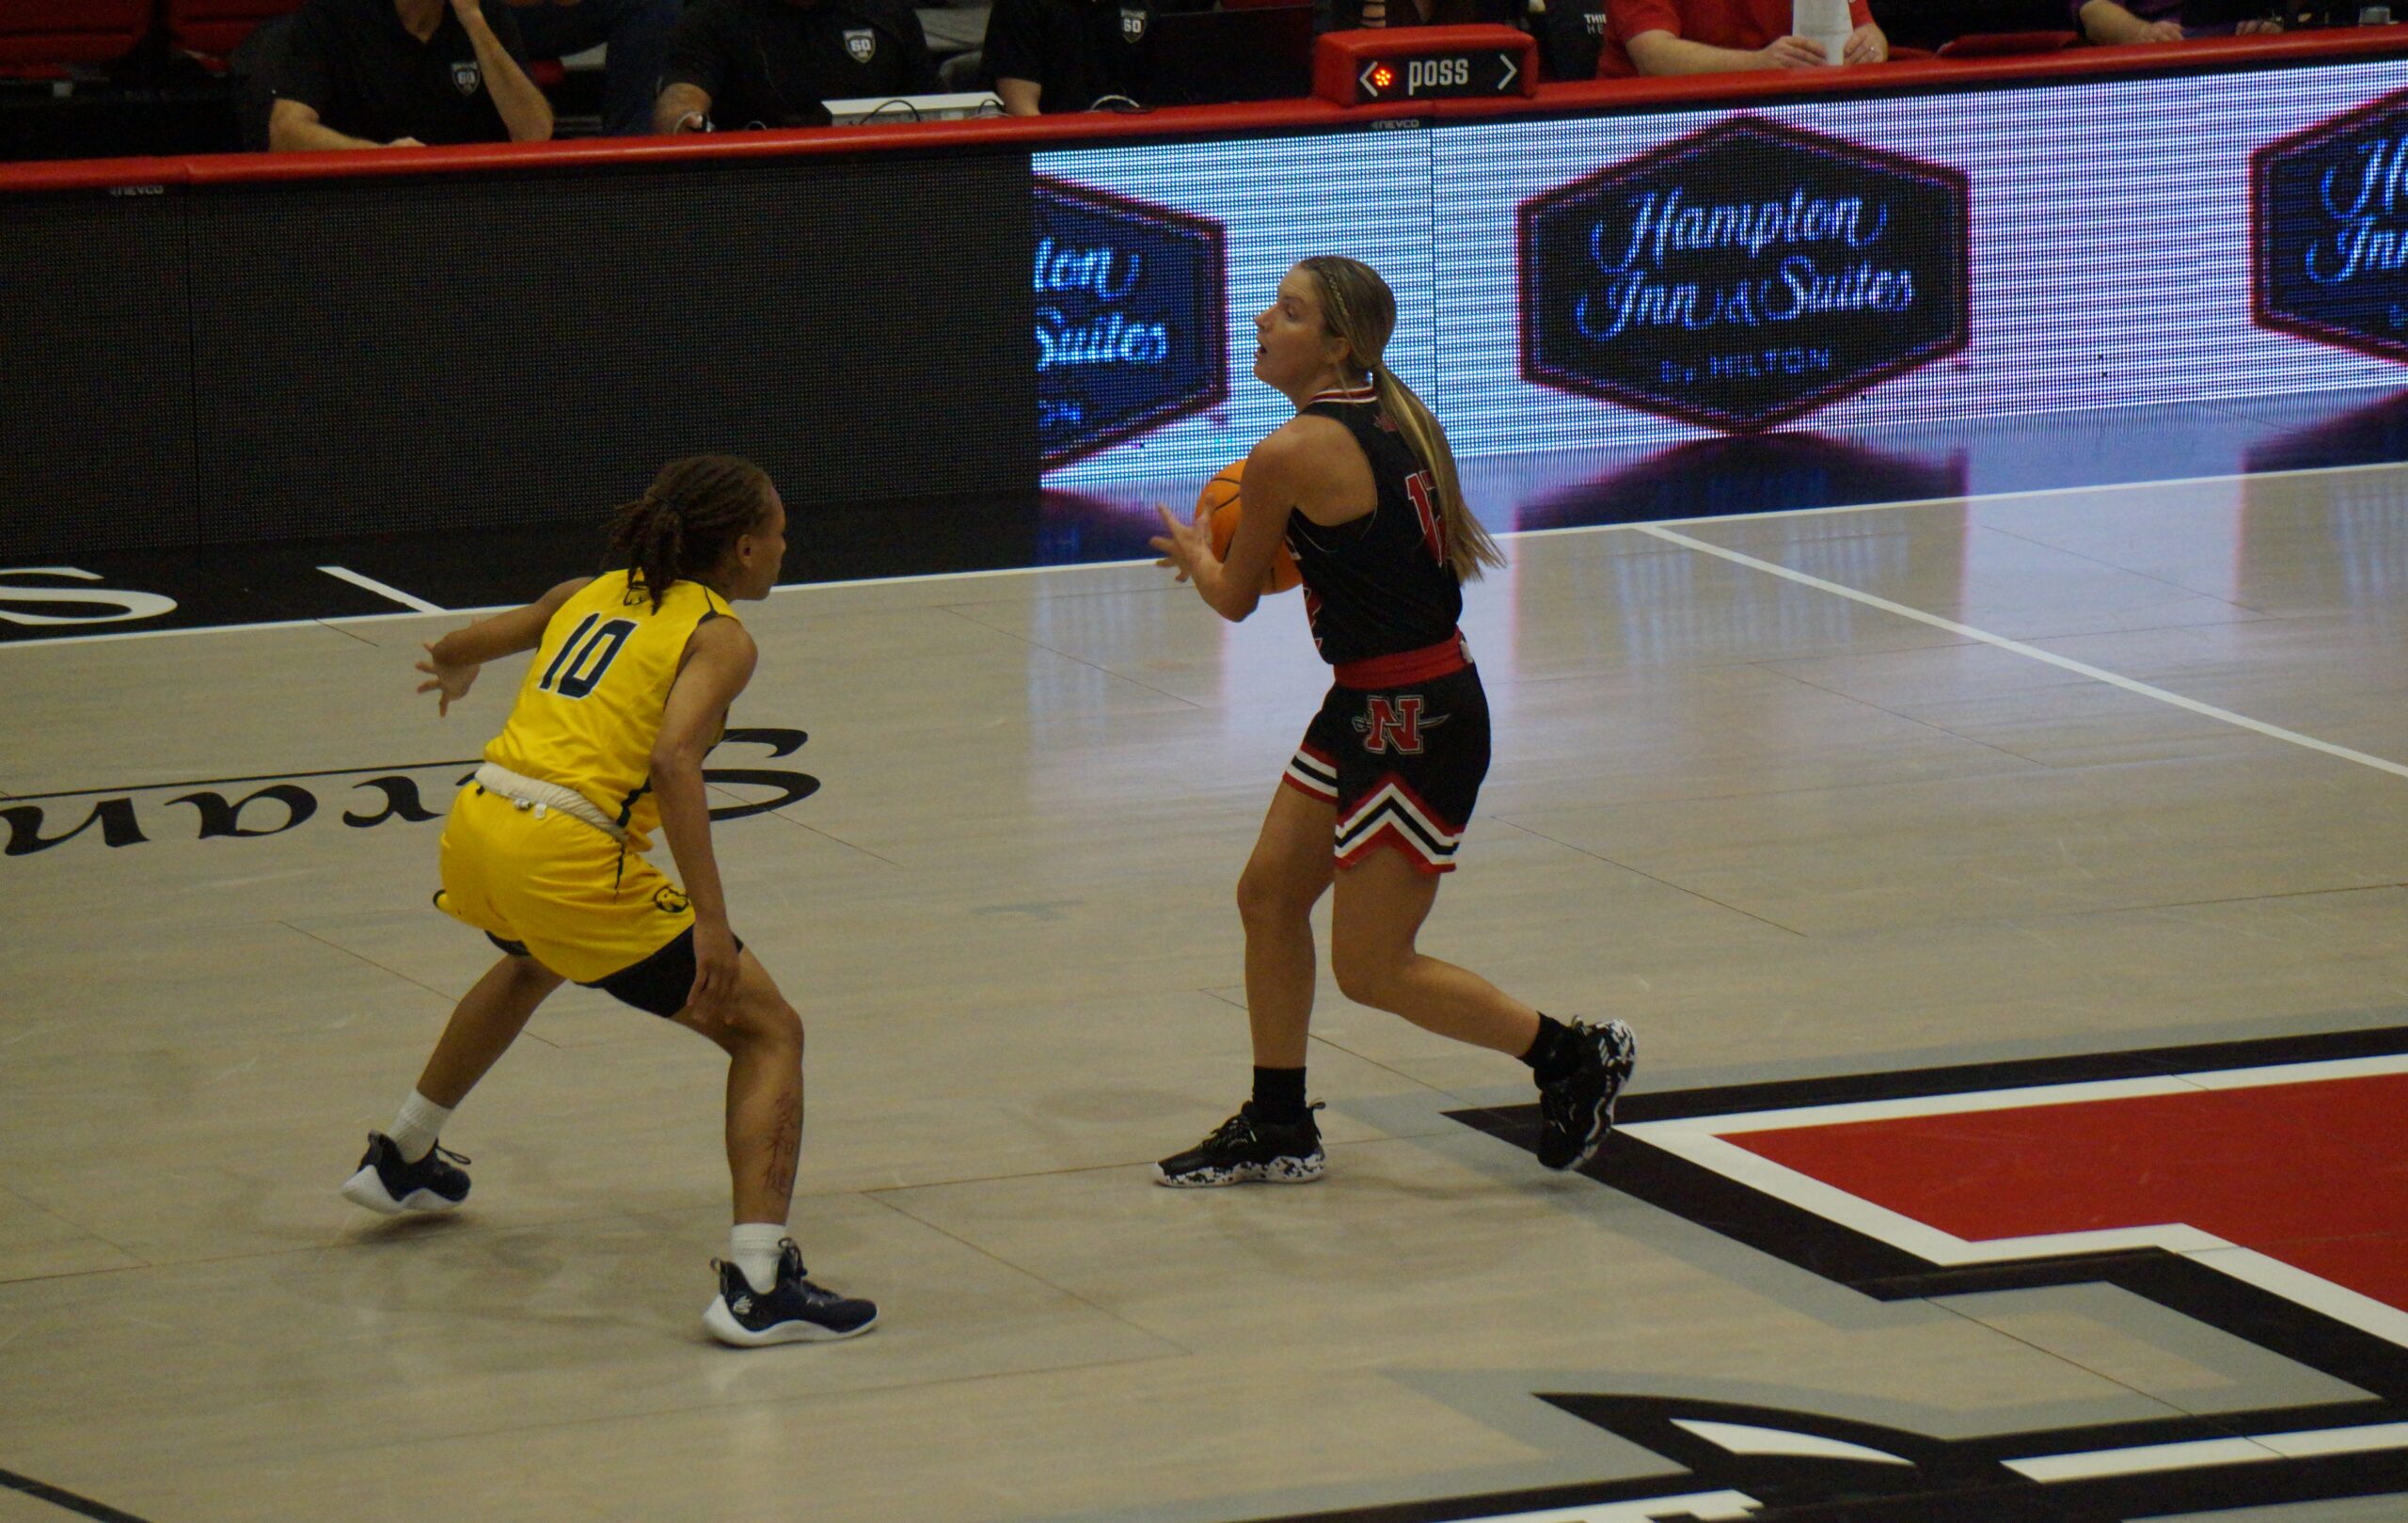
(1131, 317)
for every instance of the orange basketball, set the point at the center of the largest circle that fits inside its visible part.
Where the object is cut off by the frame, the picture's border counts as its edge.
(1220, 498)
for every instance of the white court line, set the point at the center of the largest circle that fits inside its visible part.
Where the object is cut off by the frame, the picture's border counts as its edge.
(1095, 565)
(2095, 674)
(418, 605)
(2143, 1460)
(2198, 1453)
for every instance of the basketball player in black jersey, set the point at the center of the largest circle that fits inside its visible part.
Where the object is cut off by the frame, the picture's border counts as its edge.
(1362, 488)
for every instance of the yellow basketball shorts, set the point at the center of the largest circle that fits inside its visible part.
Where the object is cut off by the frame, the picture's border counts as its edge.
(557, 886)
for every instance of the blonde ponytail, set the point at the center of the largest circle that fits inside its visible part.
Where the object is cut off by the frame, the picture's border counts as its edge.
(1357, 306)
(1469, 548)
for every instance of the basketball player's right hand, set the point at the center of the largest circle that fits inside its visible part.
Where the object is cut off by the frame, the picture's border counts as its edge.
(1185, 547)
(452, 682)
(717, 966)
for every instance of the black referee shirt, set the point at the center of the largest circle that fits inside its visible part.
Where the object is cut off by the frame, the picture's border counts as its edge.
(360, 68)
(1076, 51)
(769, 63)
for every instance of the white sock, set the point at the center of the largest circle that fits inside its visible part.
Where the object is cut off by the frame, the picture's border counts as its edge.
(418, 1123)
(754, 1248)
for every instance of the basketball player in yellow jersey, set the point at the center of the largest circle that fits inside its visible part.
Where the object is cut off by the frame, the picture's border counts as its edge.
(633, 674)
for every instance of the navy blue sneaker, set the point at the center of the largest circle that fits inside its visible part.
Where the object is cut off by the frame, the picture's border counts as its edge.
(1577, 1111)
(794, 1311)
(389, 1186)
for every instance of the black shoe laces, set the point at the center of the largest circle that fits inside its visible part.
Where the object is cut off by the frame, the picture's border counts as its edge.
(1237, 1129)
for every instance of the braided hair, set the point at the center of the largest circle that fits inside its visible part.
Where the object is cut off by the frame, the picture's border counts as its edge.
(687, 521)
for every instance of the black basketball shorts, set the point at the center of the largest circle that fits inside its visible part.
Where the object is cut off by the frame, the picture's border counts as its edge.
(1402, 766)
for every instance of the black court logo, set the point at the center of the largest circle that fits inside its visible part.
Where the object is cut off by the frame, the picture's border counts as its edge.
(467, 77)
(1744, 275)
(413, 793)
(2329, 230)
(1132, 318)
(109, 605)
(2253, 1186)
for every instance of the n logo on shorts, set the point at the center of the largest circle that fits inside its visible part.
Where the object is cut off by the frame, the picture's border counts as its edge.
(1395, 726)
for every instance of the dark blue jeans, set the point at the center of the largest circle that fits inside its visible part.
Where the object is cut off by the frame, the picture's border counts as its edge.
(638, 34)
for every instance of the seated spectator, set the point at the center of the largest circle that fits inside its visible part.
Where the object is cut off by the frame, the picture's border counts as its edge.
(770, 63)
(637, 34)
(2151, 21)
(403, 73)
(1713, 37)
(1571, 36)
(1052, 55)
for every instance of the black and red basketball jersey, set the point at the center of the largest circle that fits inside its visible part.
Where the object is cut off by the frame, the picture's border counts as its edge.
(1379, 584)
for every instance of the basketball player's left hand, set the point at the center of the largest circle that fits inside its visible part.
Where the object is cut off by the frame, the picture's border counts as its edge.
(452, 682)
(1184, 545)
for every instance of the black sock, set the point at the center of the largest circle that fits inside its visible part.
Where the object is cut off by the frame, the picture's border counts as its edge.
(1279, 1096)
(1554, 1053)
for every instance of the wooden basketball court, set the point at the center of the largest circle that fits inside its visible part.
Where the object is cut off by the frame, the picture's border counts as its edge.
(1822, 797)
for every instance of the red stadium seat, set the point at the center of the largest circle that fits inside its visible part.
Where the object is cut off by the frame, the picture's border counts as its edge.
(215, 28)
(39, 31)
(1999, 45)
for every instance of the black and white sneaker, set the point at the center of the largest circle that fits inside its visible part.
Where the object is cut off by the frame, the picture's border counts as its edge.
(794, 1311)
(1242, 1150)
(389, 1186)
(1578, 1110)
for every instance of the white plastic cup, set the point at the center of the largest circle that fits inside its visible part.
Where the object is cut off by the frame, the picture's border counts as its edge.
(1822, 20)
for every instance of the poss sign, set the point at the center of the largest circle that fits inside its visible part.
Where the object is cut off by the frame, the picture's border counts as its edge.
(1132, 318)
(1744, 275)
(2329, 230)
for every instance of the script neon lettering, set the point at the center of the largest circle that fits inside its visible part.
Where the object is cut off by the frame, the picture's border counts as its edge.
(1663, 224)
(1109, 340)
(1665, 229)
(1107, 274)
(2359, 198)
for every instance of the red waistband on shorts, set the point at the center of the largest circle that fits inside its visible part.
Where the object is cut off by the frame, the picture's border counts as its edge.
(1447, 655)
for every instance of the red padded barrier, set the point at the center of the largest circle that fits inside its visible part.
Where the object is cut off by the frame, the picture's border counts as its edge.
(1999, 44)
(34, 32)
(216, 27)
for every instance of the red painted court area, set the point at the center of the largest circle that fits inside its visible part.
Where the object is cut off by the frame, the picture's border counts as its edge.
(2312, 1174)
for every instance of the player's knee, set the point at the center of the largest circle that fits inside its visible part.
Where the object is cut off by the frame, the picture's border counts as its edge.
(1365, 974)
(775, 1029)
(1265, 899)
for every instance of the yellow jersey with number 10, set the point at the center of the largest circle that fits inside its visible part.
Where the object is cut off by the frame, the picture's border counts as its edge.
(589, 707)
